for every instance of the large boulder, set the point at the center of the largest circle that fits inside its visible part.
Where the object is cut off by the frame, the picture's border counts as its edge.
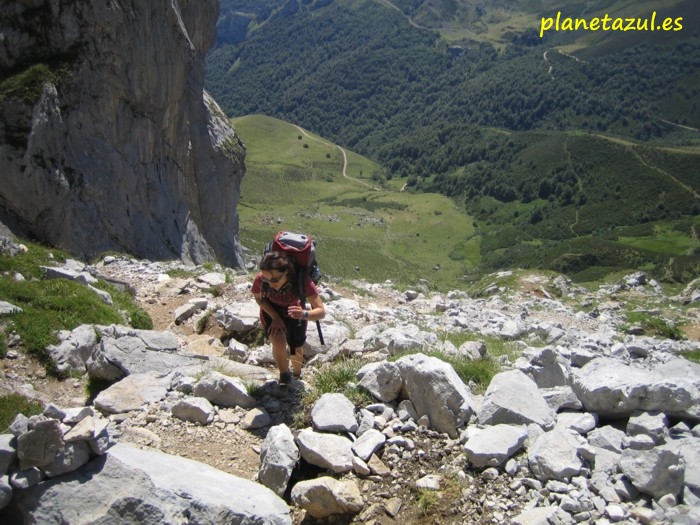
(614, 389)
(130, 485)
(325, 496)
(437, 391)
(513, 398)
(122, 351)
(656, 472)
(556, 455)
(492, 446)
(382, 380)
(279, 456)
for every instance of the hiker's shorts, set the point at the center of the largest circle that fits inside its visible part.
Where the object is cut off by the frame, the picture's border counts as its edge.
(296, 329)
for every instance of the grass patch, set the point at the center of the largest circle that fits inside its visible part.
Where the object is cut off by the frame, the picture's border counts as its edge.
(693, 356)
(427, 501)
(254, 389)
(136, 316)
(338, 376)
(13, 404)
(175, 273)
(430, 502)
(364, 229)
(48, 306)
(654, 325)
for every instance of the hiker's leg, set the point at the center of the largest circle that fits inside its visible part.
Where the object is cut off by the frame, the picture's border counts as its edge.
(279, 352)
(297, 360)
(278, 340)
(296, 337)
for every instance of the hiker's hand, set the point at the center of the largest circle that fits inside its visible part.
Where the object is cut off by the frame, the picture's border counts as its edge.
(296, 311)
(277, 326)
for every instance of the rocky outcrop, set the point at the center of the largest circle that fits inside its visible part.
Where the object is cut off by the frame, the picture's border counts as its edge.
(107, 138)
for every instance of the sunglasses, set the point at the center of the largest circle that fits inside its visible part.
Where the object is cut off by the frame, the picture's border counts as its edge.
(274, 280)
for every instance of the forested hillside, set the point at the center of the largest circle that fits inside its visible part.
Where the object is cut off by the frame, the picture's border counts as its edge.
(511, 125)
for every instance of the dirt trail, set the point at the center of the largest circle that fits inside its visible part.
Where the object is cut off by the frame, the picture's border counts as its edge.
(345, 159)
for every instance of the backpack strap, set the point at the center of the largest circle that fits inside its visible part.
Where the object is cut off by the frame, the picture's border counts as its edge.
(301, 281)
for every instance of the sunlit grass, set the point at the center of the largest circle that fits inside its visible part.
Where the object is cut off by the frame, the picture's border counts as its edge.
(337, 376)
(49, 305)
(13, 404)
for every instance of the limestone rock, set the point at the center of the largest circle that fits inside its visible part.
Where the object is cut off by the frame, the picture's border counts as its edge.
(130, 485)
(436, 390)
(326, 496)
(117, 143)
(278, 457)
(513, 398)
(492, 446)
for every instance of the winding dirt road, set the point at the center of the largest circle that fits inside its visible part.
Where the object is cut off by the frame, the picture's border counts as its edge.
(345, 159)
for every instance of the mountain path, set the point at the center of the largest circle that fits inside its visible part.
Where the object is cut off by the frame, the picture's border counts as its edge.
(345, 158)
(666, 173)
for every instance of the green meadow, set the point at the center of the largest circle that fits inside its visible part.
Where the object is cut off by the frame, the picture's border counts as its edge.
(366, 227)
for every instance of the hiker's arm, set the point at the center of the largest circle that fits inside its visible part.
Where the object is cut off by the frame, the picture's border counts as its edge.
(317, 310)
(266, 306)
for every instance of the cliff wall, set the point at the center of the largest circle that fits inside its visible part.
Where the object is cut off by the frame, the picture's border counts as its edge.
(107, 138)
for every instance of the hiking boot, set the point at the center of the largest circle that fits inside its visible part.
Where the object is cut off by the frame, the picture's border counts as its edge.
(285, 378)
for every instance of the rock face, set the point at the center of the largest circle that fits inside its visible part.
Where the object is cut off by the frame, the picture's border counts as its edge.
(107, 138)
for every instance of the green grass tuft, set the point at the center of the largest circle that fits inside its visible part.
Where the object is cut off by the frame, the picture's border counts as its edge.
(692, 356)
(341, 376)
(655, 326)
(48, 306)
(338, 376)
(13, 404)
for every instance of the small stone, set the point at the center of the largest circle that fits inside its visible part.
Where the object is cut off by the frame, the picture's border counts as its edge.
(393, 506)
(615, 512)
(490, 474)
(430, 481)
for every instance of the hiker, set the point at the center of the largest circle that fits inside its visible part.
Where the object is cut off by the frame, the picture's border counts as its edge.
(283, 316)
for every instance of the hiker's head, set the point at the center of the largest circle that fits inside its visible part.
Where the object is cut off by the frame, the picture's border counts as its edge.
(277, 269)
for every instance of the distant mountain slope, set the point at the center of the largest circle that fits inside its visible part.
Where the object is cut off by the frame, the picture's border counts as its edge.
(581, 204)
(358, 72)
(578, 135)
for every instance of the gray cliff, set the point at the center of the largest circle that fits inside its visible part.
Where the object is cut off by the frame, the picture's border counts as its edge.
(108, 140)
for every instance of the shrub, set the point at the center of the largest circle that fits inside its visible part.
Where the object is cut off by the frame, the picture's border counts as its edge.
(141, 320)
(3, 344)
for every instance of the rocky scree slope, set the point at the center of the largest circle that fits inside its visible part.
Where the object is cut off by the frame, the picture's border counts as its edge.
(591, 424)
